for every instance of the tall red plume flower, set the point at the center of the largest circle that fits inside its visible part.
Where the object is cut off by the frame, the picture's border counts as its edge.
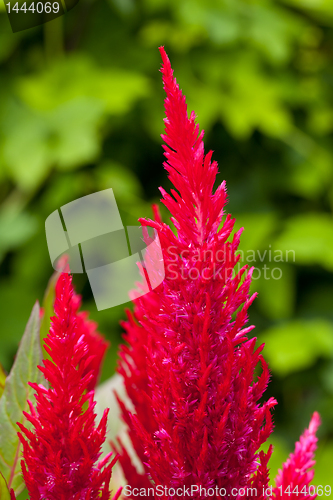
(189, 366)
(97, 344)
(297, 472)
(62, 449)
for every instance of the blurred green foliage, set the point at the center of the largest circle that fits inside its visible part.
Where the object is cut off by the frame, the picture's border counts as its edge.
(81, 110)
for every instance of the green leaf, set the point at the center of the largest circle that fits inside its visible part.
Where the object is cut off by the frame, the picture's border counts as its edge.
(78, 77)
(311, 173)
(23, 496)
(277, 292)
(297, 345)
(323, 8)
(254, 102)
(14, 400)
(15, 228)
(309, 237)
(29, 164)
(258, 227)
(2, 380)
(4, 492)
(124, 182)
(75, 126)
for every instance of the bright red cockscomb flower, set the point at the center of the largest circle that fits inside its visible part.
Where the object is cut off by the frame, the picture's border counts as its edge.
(189, 366)
(61, 451)
(297, 472)
(97, 344)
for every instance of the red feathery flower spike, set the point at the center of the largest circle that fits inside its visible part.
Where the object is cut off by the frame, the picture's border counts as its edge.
(61, 451)
(189, 366)
(297, 472)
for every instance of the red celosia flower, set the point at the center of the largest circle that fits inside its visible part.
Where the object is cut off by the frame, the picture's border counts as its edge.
(189, 366)
(61, 451)
(297, 472)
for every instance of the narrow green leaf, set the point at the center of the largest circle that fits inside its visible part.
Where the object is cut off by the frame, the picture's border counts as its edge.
(4, 492)
(2, 380)
(14, 400)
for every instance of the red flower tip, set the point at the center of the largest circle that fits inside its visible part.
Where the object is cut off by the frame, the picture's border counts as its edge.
(41, 313)
(96, 343)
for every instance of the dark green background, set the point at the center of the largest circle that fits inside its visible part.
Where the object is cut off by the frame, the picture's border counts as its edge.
(81, 108)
